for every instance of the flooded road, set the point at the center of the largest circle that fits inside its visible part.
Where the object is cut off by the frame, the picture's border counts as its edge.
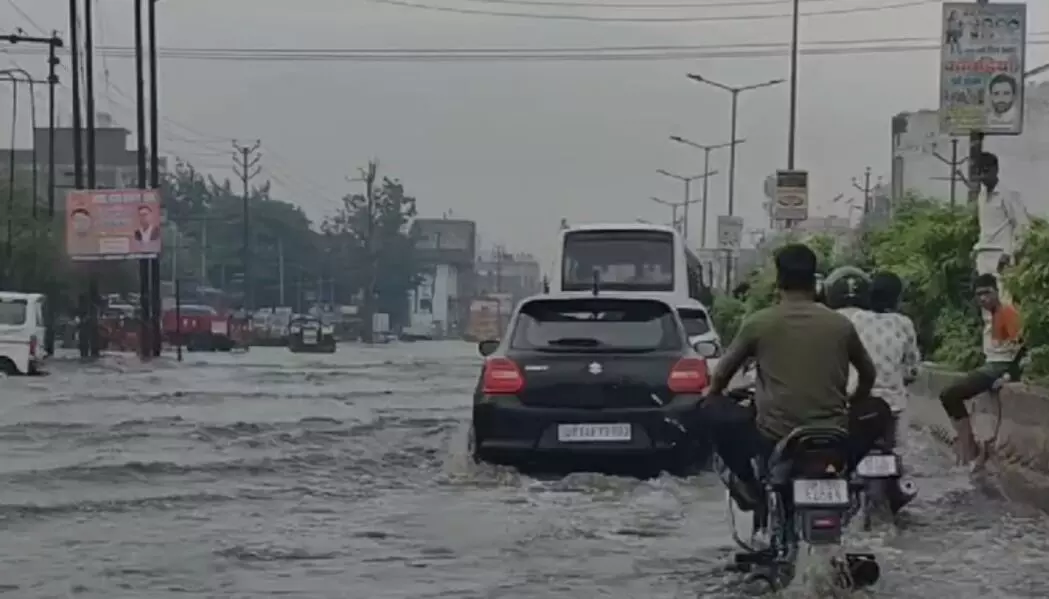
(270, 474)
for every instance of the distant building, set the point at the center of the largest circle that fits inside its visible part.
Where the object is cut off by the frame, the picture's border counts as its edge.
(916, 142)
(447, 248)
(501, 272)
(116, 165)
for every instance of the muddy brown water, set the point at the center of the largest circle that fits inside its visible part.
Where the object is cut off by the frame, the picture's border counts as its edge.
(270, 474)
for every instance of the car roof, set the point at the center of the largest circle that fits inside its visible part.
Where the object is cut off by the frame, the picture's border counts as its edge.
(612, 295)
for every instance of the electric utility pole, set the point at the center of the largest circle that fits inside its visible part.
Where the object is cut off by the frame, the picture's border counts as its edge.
(246, 167)
(54, 43)
(368, 175)
(955, 164)
(866, 189)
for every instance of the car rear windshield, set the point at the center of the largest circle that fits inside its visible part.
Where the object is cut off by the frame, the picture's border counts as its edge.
(695, 321)
(596, 325)
(13, 312)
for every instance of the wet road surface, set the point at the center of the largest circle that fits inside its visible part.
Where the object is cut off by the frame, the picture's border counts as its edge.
(270, 474)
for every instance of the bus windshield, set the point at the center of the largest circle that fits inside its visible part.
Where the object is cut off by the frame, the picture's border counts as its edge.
(625, 260)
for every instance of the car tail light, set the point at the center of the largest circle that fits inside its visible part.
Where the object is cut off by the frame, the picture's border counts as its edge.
(689, 375)
(502, 377)
(32, 345)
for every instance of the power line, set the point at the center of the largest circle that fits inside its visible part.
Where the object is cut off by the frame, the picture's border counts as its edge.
(285, 50)
(613, 54)
(25, 16)
(701, 19)
(657, 5)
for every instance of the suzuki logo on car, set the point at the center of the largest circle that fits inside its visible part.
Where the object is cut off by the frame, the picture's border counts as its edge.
(594, 368)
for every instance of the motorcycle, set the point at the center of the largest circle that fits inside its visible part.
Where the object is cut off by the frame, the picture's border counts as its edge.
(878, 487)
(807, 499)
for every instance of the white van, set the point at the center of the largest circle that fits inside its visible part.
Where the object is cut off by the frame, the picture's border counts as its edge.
(21, 332)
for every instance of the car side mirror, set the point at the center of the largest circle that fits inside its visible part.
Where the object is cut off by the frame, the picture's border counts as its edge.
(487, 347)
(706, 349)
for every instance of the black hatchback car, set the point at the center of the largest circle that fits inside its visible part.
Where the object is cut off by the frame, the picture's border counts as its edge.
(608, 379)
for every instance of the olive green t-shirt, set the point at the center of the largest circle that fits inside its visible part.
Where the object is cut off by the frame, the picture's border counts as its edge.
(802, 349)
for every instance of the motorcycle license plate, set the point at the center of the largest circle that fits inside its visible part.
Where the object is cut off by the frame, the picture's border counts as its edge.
(878, 466)
(821, 493)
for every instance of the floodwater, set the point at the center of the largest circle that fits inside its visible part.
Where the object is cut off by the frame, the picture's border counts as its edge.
(269, 474)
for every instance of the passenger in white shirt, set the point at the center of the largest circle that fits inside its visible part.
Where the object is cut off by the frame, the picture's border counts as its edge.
(892, 341)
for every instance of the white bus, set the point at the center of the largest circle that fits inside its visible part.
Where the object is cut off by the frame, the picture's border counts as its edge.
(630, 257)
(649, 260)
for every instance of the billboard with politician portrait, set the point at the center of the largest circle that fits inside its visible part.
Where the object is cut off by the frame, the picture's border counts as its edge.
(113, 224)
(982, 58)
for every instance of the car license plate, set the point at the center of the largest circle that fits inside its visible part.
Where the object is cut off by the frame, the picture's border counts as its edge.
(310, 337)
(821, 493)
(878, 466)
(576, 433)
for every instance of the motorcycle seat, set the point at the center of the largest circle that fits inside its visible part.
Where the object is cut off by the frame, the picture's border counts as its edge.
(813, 439)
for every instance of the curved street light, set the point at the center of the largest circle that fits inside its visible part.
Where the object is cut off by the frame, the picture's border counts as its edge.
(706, 167)
(688, 193)
(735, 91)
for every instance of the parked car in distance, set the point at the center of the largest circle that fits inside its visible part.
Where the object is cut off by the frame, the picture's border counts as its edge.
(307, 334)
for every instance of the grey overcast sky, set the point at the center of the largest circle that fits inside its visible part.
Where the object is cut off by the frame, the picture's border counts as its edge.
(519, 145)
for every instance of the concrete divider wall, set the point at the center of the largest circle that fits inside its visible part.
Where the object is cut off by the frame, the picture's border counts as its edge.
(1021, 456)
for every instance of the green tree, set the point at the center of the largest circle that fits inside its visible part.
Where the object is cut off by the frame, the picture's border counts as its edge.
(929, 245)
(372, 240)
(1028, 282)
(209, 216)
(763, 280)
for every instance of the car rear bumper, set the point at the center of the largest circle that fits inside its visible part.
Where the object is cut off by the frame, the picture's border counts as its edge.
(507, 428)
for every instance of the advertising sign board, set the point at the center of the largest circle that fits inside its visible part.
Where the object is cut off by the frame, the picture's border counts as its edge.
(981, 68)
(730, 232)
(792, 196)
(113, 224)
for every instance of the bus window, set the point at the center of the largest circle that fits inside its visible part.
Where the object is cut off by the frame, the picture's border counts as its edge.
(624, 260)
(697, 288)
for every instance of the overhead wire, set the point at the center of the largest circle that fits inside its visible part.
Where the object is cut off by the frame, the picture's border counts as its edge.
(606, 53)
(200, 141)
(111, 86)
(18, 9)
(677, 19)
(650, 5)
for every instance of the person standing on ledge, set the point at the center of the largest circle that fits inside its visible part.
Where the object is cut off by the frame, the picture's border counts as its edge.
(1002, 333)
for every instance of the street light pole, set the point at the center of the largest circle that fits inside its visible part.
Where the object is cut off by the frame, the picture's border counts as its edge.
(735, 91)
(688, 190)
(706, 169)
(673, 209)
(793, 126)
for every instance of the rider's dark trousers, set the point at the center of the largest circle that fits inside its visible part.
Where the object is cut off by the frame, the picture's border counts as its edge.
(737, 440)
(954, 396)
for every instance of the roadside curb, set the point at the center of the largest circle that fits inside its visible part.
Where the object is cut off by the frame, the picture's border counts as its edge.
(1021, 450)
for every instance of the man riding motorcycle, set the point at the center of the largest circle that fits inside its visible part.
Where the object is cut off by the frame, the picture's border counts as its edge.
(803, 351)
